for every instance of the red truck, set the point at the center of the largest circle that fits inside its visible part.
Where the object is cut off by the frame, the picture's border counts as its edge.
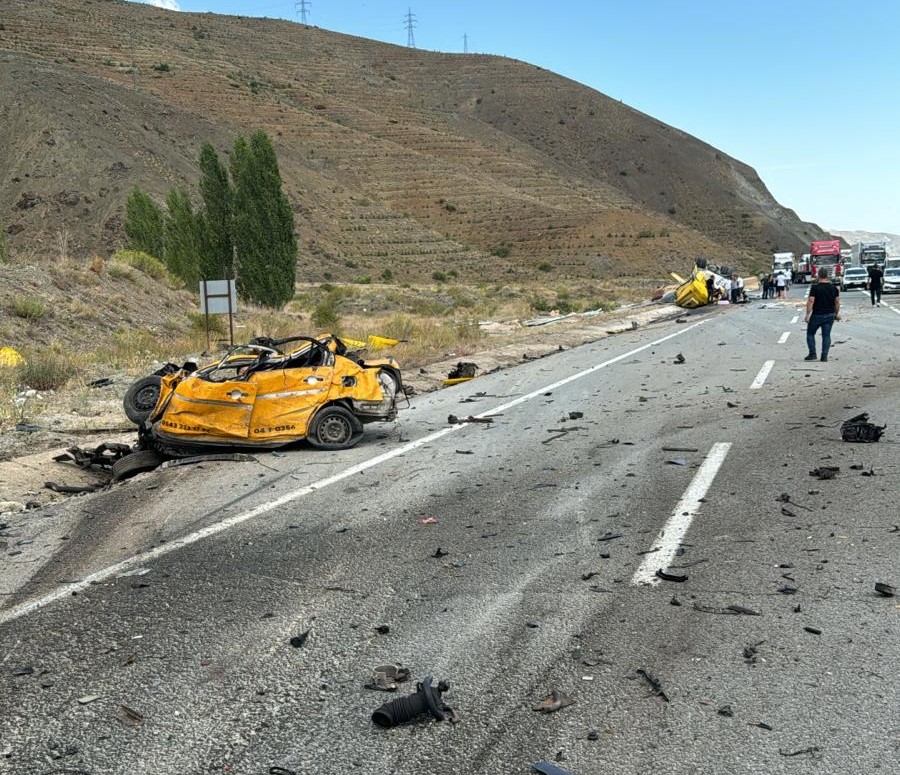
(826, 253)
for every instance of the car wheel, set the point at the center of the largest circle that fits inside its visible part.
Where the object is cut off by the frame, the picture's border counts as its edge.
(334, 427)
(135, 463)
(140, 399)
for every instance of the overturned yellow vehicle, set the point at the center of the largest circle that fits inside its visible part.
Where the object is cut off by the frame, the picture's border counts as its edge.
(262, 397)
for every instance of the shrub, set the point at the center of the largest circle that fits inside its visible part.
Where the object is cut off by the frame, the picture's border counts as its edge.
(363, 279)
(46, 370)
(439, 277)
(217, 324)
(4, 256)
(545, 266)
(325, 314)
(27, 308)
(143, 262)
(646, 234)
(162, 67)
(119, 271)
(501, 251)
(672, 211)
(387, 275)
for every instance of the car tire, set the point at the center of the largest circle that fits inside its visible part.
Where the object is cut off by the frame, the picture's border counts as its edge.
(135, 463)
(334, 427)
(140, 399)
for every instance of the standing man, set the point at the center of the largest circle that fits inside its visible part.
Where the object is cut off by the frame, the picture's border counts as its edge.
(876, 276)
(823, 307)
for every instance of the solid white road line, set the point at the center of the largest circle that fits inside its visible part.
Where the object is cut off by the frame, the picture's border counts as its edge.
(264, 508)
(672, 534)
(795, 319)
(784, 337)
(761, 377)
(891, 307)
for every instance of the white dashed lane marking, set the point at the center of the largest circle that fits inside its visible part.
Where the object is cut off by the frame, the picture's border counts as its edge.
(784, 337)
(761, 377)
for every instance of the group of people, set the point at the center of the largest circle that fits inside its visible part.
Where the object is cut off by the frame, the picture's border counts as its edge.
(731, 289)
(775, 286)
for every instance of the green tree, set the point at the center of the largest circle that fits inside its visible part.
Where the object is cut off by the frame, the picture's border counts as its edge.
(182, 238)
(144, 223)
(216, 242)
(263, 224)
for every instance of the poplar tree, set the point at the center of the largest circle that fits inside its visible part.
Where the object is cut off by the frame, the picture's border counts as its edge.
(144, 224)
(182, 238)
(263, 224)
(215, 219)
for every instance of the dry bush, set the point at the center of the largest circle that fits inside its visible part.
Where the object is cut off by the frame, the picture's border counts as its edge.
(27, 308)
(46, 369)
(143, 262)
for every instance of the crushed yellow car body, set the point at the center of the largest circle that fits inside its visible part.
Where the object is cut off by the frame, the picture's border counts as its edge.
(692, 293)
(257, 396)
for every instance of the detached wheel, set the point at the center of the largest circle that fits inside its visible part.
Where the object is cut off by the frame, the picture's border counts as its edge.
(334, 427)
(141, 398)
(135, 463)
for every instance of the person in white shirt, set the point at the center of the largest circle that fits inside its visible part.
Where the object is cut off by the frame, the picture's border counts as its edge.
(780, 285)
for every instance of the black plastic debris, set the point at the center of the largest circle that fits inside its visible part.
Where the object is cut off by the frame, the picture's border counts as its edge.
(858, 429)
(654, 682)
(426, 699)
(812, 750)
(298, 640)
(382, 629)
(726, 711)
(813, 630)
(553, 702)
(609, 536)
(885, 590)
(102, 382)
(438, 553)
(546, 768)
(679, 358)
(750, 652)
(661, 574)
(576, 415)
(825, 472)
(102, 456)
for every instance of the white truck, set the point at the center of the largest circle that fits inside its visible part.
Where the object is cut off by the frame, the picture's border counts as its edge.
(804, 269)
(868, 254)
(784, 263)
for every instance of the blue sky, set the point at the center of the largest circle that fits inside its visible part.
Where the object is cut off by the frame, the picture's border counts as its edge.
(805, 91)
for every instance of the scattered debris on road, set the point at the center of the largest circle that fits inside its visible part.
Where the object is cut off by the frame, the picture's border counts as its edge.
(813, 630)
(546, 768)
(556, 700)
(751, 652)
(813, 750)
(732, 610)
(386, 677)
(454, 420)
(679, 358)
(438, 553)
(426, 699)
(680, 449)
(825, 472)
(661, 574)
(297, 641)
(130, 716)
(859, 429)
(654, 682)
(885, 590)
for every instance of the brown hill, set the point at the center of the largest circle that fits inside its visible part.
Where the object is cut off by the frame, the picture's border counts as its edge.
(392, 157)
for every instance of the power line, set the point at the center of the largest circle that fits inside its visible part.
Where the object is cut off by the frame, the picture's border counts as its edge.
(410, 21)
(465, 43)
(302, 6)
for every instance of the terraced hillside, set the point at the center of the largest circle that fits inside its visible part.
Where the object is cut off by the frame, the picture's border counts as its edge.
(392, 157)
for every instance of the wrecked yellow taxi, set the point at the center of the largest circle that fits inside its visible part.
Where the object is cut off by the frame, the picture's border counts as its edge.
(266, 395)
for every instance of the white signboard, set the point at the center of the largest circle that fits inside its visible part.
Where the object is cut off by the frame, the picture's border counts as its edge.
(218, 297)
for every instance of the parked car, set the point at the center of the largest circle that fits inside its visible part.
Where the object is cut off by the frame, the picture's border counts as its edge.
(891, 281)
(854, 277)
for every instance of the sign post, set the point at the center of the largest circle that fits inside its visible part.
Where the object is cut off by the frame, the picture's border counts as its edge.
(218, 297)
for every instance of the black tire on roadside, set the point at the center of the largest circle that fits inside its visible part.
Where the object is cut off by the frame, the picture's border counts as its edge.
(135, 463)
(334, 427)
(140, 399)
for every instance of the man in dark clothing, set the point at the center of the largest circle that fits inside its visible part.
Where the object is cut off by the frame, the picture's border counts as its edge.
(823, 307)
(876, 276)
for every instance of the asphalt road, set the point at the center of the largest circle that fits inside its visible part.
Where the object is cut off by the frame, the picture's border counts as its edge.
(147, 629)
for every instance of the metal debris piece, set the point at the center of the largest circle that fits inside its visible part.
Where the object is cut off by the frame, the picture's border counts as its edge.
(103, 455)
(760, 724)
(813, 749)
(463, 370)
(661, 574)
(678, 461)
(654, 684)
(726, 711)
(553, 702)
(454, 420)
(88, 698)
(102, 382)
(130, 716)
(386, 677)
(731, 610)
(813, 630)
(234, 457)
(680, 449)
(787, 590)
(885, 590)
(609, 536)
